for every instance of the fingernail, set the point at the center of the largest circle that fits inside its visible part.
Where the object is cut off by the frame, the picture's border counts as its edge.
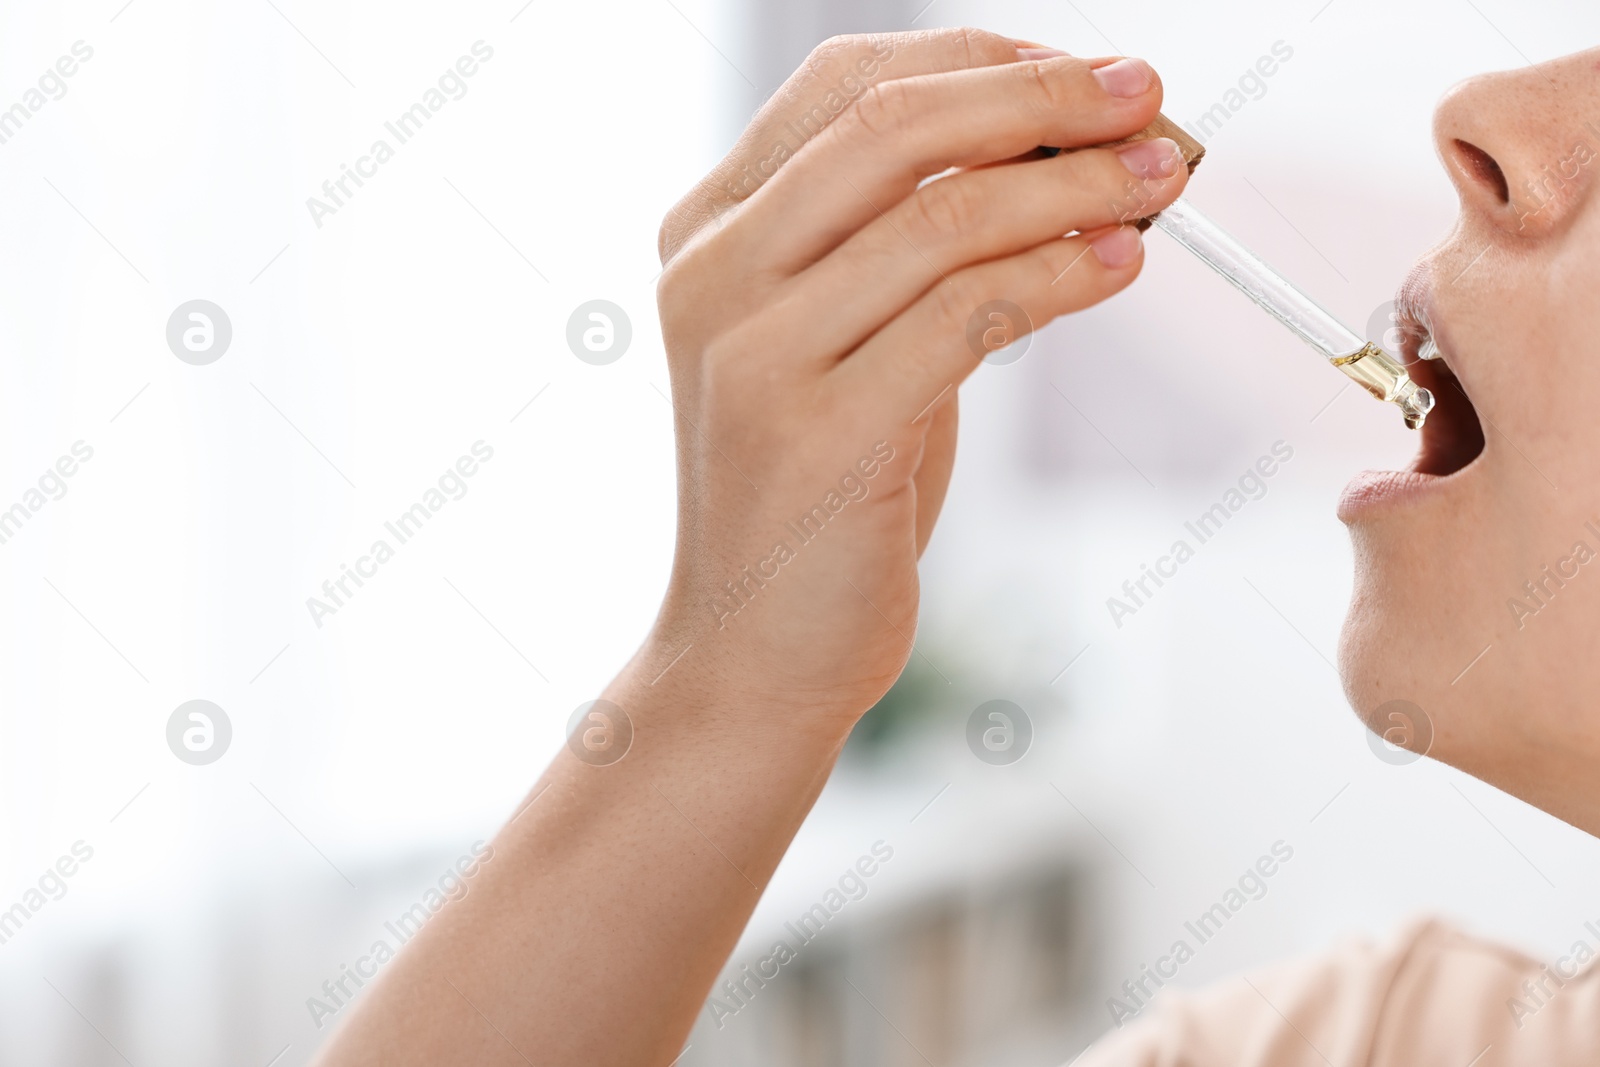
(1126, 78)
(1039, 52)
(1118, 248)
(1155, 158)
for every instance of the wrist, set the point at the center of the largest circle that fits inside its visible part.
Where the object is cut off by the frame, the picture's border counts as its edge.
(679, 686)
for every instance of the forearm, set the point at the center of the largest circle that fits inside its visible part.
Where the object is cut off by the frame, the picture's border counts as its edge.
(816, 340)
(614, 894)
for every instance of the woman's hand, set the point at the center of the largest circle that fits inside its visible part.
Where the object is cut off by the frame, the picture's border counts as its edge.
(820, 304)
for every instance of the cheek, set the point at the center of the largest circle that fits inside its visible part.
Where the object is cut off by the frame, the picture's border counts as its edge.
(1555, 375)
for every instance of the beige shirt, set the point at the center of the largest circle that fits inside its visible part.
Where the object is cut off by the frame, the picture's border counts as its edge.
(1433, 996)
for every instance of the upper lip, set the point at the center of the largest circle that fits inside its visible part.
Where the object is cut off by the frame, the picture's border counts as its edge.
(1414, 312)
(1452, 438)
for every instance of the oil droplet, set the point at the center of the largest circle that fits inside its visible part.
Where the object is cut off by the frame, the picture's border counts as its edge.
(1377, 372)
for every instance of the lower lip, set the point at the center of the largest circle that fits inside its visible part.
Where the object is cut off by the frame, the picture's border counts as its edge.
(1373, 491)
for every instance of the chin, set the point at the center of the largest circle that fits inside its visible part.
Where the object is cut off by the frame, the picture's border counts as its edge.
(1396, 640)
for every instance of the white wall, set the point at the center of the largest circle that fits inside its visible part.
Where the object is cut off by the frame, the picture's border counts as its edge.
(394, 337)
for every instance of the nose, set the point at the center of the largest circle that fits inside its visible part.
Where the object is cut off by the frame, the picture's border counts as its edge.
(1518, 144)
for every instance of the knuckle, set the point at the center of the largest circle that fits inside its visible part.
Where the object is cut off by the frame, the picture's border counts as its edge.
(1052, 85)
(832, 54)
(680, 224)
(983, 48)
(1057, 258)
(885, 111)
(834, 47)
(668, 239)
(689, 285)
(1061, 269)
(954, 304)
(945, 209)
(963, 48)
(673, 285)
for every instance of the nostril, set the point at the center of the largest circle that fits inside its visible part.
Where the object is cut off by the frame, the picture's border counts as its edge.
(1481, 165)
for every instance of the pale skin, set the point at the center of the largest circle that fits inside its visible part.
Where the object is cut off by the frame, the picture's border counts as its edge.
(818, 318)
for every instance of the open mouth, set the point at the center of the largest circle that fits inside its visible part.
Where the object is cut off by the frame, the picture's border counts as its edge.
(1452, 437)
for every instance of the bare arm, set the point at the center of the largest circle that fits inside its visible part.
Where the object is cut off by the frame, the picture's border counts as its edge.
(818, 309)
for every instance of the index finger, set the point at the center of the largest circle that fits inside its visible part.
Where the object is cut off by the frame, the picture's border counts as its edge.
(836, 74)
(902, 132)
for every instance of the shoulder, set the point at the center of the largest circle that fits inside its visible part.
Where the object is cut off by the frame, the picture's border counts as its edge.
(1429, 994)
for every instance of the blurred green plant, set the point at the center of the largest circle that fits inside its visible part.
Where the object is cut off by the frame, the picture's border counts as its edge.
(948, 676)
(918, 697)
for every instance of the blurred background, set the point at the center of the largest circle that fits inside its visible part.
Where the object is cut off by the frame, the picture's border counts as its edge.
(1152, 758)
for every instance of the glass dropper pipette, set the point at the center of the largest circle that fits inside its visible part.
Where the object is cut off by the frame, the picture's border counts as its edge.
(1365, 363)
